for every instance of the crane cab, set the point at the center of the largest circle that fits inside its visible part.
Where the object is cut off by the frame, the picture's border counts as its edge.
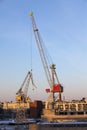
(18, 98)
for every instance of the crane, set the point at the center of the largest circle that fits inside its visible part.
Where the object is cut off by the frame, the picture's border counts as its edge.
(21, 95)
(52, 78)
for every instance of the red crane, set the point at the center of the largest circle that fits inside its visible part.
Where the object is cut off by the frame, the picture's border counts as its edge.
(52, 78)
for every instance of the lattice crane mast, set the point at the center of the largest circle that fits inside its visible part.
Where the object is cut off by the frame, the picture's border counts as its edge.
(51, 76)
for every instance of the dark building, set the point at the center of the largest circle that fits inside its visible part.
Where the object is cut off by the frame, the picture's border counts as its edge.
(36, 109)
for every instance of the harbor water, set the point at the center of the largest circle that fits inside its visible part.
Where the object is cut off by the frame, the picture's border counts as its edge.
(43, 127)
(39, 127)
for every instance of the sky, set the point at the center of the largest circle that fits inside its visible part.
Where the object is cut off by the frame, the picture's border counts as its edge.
(63, 27)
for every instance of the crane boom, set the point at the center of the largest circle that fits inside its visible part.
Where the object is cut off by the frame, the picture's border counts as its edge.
(26, 88)
(40, 47)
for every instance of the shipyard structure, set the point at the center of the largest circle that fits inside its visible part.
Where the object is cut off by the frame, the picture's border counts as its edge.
(64, 110)
(21, 111)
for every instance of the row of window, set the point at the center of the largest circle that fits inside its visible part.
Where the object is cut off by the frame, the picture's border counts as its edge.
(71, 107)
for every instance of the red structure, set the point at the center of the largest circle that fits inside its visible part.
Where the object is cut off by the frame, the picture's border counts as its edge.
(57, 88)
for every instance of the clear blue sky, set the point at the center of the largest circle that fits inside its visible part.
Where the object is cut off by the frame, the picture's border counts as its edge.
(63, 28)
